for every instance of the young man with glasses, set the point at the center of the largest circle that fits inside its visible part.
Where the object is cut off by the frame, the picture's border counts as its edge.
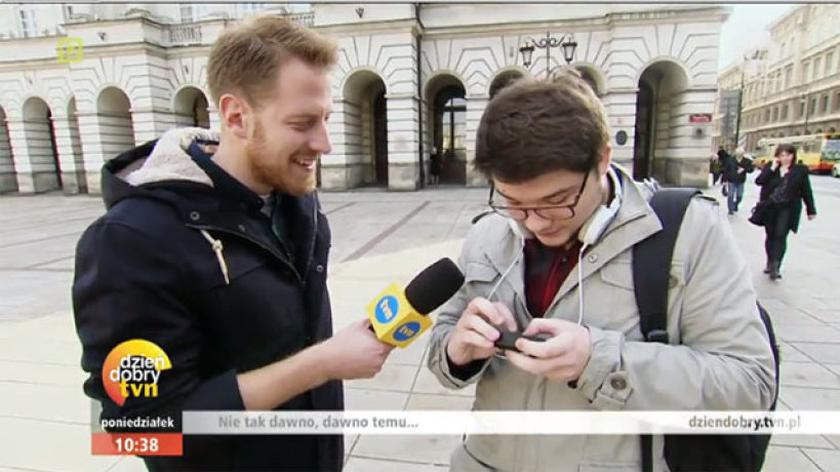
(554, 260)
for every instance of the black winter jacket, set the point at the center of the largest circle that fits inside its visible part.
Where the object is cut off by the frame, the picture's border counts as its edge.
(731, 166)
(145, 270)
(798, 190)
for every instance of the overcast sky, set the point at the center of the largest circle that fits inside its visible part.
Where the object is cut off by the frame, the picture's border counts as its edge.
(747, 27)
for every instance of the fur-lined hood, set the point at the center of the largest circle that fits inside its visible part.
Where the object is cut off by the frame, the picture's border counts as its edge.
(162, 161)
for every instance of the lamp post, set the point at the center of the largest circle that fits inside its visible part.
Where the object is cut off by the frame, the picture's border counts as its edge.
(566, 42)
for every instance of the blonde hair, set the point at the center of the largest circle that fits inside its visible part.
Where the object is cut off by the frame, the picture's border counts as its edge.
(246, 59)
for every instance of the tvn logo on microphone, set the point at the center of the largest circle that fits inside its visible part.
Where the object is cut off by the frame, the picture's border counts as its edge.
(394, 320)
(387, 308)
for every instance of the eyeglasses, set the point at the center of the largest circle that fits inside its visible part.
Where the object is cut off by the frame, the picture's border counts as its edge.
(548, 212)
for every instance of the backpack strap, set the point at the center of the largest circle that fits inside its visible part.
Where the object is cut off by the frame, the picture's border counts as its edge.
(651, 269)
(647, 452)
(652, 262)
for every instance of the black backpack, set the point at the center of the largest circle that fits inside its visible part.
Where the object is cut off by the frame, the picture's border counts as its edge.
(651, 269)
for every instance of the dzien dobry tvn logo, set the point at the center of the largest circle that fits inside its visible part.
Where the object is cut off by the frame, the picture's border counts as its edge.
(132, 370)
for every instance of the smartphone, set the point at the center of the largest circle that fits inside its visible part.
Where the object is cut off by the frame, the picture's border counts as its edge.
(508, 339)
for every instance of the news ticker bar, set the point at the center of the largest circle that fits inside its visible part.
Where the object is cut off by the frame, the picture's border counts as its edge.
(141, 444)
(510, 422)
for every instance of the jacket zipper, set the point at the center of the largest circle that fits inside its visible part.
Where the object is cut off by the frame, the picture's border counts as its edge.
(314, 238)
(265, 247)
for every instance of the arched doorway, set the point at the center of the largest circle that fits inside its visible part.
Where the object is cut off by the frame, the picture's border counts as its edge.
(116, 128)
(76, 145)
(41, 145)
(8, 179)
(365, 109)
(190, 108)
(660, 86)
(503, 80)
(448, 121)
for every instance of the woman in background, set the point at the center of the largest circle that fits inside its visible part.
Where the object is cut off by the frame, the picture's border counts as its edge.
(785, 184)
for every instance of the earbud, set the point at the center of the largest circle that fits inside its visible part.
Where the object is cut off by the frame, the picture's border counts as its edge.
(595, 226)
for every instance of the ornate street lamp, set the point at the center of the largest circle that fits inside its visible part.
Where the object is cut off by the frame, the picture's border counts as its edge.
(527, 51)
(566, 42)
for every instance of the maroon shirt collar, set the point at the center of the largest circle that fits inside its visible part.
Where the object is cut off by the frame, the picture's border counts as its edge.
(546, 268)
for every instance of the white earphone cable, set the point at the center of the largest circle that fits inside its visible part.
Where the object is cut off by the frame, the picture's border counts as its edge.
(507, 271)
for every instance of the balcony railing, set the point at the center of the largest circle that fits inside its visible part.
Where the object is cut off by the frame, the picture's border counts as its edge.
(190, 33)
(185, 34)
(305, 18)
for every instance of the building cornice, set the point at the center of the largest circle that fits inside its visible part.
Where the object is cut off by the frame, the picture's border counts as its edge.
(109, 51)
(798, 123)
(821, 47)
(144, 20)
(384, 26)
(795, 92)
(599, 22)
(775, 24)
(49, 39)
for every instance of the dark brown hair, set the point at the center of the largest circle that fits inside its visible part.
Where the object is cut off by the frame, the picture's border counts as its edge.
(788, 148)
(246, 58)
(532, 127)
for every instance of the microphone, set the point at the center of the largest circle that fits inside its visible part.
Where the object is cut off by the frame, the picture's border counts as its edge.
(398, 316)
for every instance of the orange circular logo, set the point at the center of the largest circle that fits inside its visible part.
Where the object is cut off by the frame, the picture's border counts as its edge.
(132, 370)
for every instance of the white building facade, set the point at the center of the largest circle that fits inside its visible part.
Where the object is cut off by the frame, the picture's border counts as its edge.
(412, 79)
(793, 88)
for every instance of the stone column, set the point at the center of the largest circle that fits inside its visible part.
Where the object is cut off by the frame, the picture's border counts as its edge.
(341, 169)
(403, 142)
(621, 113)
(70, 162)
(32, 151)
(103, 137)
(8, 179)
(688, 144)
(475, 108)
(149, 124)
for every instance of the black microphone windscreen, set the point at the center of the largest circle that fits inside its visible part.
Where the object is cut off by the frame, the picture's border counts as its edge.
(433, 286)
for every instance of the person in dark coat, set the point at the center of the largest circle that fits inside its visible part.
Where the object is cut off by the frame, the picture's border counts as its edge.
(784, 186)
(735, 170)
(434, 166)
(717, 165)
(219, 263)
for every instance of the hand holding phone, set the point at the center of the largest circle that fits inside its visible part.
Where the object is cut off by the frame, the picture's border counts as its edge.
(507, 340)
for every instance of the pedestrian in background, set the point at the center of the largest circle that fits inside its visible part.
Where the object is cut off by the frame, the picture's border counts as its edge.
(434, 167)
(784, 186)
(735, 170)
(717, 165)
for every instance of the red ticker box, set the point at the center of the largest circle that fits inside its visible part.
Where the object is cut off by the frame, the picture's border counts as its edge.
(139, 444)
